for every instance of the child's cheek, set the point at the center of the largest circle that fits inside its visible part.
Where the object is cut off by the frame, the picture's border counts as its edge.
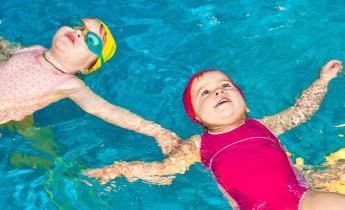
(63, 43)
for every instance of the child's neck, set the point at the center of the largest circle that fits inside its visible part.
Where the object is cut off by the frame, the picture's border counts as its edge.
(226, 128)
(53, 60)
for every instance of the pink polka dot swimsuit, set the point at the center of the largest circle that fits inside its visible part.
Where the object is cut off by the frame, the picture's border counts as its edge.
(251, 166)
(25, 84)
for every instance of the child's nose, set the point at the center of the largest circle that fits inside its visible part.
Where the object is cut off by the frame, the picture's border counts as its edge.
(218, 91)
(79, 33)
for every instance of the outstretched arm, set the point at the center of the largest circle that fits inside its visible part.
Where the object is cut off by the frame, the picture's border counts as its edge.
(153, 172)
(307, 104)
(94, 104)
(330, 176)
(7, 48)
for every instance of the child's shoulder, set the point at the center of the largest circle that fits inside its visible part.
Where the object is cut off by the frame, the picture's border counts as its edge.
(35, 48)
(74, 83)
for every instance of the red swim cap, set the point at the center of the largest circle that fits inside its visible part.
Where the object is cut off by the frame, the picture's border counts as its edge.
(187, 95)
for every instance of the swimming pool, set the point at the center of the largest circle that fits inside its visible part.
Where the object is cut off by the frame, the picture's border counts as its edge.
(272, 50)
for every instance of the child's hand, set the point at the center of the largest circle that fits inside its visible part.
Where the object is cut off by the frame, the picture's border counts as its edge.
(168, 141)
(331, 70)
(103, 175)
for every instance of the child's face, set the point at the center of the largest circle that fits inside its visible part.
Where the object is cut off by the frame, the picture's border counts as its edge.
(71, 44)
(216, 101)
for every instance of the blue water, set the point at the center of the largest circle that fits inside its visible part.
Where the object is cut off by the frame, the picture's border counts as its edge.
(273, 49)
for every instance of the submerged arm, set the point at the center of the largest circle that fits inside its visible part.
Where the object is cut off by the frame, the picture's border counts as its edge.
(95, 105)
(307, 104)
(153, 172)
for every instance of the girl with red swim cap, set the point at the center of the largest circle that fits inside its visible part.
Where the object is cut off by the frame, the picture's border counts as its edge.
(244, 154)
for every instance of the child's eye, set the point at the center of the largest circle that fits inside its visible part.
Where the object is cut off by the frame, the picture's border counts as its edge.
(92, 39)
(205, 92)
(226, 85)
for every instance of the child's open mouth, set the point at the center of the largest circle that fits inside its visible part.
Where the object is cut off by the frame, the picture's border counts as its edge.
(222, 101)
(71, 37)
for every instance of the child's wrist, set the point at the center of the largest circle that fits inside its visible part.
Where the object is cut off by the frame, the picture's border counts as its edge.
(150, 128)
(325, 80)
(159, 131)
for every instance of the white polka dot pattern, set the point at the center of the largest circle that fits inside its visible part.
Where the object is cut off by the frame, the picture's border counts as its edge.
(24, 84)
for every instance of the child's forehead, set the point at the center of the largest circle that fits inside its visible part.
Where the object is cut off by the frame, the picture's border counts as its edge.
(95, 26)
(91, 21)
(209, 78)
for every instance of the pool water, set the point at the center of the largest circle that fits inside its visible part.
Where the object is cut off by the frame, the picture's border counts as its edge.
(272, 50)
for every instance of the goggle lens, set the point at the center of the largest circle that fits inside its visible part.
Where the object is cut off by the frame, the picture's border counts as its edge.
(92, 40)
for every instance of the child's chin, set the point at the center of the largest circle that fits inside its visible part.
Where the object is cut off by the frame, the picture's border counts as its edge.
(224, 107)
(63, 44)
(225, 113)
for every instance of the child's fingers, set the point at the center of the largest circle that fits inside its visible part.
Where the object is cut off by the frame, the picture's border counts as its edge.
(87, 173)
(340, 68)
(338, 62)
(332, 63)
(91, 173)
(103, 181)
